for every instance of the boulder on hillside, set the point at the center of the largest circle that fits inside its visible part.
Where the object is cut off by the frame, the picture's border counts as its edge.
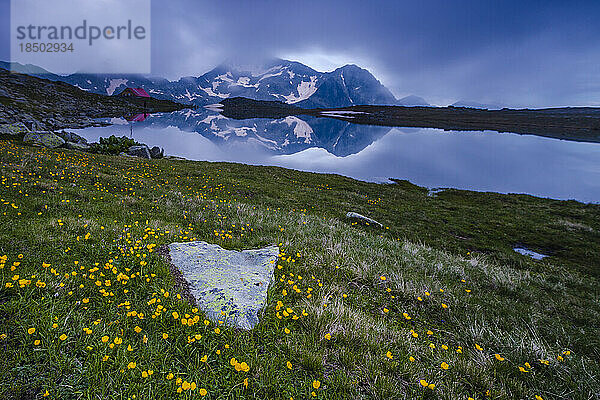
(71, 137)
(141, 151)
(229, 286)
(18, 128)
(363, 219)
(43, 138)
(157, 152)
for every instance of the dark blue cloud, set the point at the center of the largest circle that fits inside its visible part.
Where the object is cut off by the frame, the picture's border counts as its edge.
(534, 53)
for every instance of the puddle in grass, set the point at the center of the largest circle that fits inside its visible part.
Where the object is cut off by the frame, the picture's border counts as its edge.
(530, 253)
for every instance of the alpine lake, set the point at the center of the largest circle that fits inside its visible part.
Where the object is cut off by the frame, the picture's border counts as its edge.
(485, 161)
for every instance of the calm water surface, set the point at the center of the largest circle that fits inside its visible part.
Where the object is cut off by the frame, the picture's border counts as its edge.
(482, 161)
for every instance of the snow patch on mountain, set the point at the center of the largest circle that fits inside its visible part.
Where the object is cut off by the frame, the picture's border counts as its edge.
(227, 77)
(210, 92)
(271, 72)
(113, 84)
(189, 96)
(305, 90)
(244, 81)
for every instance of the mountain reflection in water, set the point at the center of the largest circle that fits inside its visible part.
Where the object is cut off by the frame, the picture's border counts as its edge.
(483, 161)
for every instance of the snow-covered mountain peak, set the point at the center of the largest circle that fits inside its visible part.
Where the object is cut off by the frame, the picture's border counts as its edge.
(276, 79)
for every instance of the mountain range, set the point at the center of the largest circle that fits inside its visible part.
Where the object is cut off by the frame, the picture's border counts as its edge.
(281, 80)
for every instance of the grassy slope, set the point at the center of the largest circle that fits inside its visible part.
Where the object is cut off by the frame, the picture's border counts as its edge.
(518, 308)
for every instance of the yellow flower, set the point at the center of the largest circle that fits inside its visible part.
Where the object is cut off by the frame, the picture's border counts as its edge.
(165, 335)
(385, 310)
(538, 397)
(169, 376)
(137, 329)
(63, 337)
(423, 382)
(85, 300)
(478, 347)
(287, 331)
(185, 385)
(244, 367)
(432, 345)
(144, 374)
(522, 369)
(528, 365)
(413, 333)
(36, 342)
(316, 384)
(383, 278)
(46, 394)
(431, 386)
(389, 355)
(204, 358)
(31, 331)
(444, 305)
(429, 333)
(328, 336)
(131, 365)
(499, 357)
(444, 365)
(246, 383)
(411, 359)
(203, 392)
(217, 331)
(105, 358)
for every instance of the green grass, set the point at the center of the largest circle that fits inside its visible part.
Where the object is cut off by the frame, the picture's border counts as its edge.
(456, 246)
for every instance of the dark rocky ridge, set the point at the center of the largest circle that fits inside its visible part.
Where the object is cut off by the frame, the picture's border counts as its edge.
(42, 104)
(570, 123)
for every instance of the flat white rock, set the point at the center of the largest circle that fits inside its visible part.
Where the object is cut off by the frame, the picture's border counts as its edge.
(226, 281)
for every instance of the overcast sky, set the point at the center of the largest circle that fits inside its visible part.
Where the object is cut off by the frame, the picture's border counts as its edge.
(515, 53)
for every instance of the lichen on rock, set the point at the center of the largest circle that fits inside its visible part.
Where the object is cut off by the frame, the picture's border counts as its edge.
(228, 285)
